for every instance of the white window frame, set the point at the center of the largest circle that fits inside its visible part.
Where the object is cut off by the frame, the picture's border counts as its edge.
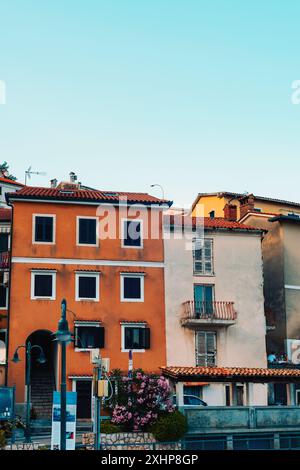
(6, 302)
(203, 272)
(82, 325)
(5, 331)
(140, 221)
(78, 217)
(87, 274)
(130, 325)
(53, 216)
(43, 273)
(136, 275)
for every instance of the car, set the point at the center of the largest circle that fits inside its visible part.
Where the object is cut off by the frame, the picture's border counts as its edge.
(191, 400)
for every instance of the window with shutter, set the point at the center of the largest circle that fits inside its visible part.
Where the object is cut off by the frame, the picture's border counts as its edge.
(87, 286)
(203, 256)
(43, 285)
(205, 348)
(87, 231)
(89, 337)
(43, 228)
(132, 234)
(136, 338)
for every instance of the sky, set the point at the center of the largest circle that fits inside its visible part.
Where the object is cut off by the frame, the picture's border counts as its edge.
(193, 95)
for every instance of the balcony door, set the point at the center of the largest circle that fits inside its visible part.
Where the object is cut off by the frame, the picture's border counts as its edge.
(203, 297)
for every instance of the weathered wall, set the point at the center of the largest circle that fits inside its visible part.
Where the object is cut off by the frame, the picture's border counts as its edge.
(237, 278)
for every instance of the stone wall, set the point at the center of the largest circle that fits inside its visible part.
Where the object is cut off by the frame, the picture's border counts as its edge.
(128, 441)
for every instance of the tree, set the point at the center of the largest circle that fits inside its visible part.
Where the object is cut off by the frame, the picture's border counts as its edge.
(4, 171)
(140, 400)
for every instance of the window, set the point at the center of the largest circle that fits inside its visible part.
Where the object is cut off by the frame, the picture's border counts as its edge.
(89, 336)
(203, 297)
(4, 242)
(132, 287)
(87, 286)
(205, 348)
(43, 285)
(2, 346)
(132, 233)
(3, 292)
(43, 228)
(203, 256)
(87, 231)
(135, 337)
(227, 395)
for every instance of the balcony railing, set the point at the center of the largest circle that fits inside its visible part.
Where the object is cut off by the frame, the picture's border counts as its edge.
(217, 311)
(4, 260)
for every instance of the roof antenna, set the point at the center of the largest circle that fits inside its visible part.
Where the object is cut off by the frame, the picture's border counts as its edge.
(29, 172)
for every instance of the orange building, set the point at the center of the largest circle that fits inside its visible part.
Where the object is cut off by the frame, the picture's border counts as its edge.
(102, 252)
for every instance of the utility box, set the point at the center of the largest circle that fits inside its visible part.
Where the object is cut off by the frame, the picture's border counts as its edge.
(102, 388)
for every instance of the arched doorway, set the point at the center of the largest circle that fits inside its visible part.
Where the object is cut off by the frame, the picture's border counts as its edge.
(42, 375)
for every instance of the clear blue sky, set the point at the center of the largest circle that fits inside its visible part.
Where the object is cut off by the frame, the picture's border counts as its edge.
(192, 94)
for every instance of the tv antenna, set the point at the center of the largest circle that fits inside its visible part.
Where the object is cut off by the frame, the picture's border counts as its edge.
(29, 172)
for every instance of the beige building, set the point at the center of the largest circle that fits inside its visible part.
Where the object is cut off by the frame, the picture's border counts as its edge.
(215, 304)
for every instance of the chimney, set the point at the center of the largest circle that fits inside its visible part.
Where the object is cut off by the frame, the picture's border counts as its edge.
(246, 204)
(73, 177)
(53, 183)
(230, 212)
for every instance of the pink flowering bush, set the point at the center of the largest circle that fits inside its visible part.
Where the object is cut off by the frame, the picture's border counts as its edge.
(140, 400)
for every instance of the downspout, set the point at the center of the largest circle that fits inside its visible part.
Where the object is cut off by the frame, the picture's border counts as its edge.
(9, 290)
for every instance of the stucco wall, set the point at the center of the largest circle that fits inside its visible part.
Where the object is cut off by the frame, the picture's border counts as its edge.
(237, 278)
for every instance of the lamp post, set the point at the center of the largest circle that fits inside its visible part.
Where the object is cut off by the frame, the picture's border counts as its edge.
(41, 359)
(159, 186)
(63, 336)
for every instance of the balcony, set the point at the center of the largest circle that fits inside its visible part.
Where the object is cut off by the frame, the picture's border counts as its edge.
(4, 260)
(208, 313)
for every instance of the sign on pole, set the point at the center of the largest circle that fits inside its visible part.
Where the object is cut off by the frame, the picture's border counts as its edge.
(7, 403)
(70, 424)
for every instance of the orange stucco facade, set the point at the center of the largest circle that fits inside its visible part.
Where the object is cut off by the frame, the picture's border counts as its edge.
(65, 257)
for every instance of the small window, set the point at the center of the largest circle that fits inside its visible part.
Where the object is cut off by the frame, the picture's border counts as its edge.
(89, 337)
(43, 286)
(2, 346)
(4, 237)
(136, 338)
(43, 229)
(203, 257)
(3, 292)
(87, 231)
(132, 288)
(206, 348)
(87, 286)
(132, 234)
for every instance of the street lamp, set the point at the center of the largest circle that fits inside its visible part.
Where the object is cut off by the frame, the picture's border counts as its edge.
(159, 186)
(41, 359)
(63, 336)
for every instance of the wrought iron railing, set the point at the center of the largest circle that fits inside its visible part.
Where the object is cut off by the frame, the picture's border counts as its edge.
(4, 260)
(216, 310)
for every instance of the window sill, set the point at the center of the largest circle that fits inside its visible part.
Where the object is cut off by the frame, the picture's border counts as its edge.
(87, 300)
(133, 350)
(132, 300)
(42, 298)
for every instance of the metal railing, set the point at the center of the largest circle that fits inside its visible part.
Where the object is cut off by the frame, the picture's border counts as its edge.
(4, 260)
(216, 310)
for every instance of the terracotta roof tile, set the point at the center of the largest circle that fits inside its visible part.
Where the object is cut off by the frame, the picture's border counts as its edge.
(89, 195)
(5, 214)
(9, 181)
(209, 223)
(223, 372)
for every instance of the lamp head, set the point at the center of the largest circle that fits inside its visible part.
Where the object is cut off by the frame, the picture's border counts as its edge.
(16, 358)
(42, 358)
